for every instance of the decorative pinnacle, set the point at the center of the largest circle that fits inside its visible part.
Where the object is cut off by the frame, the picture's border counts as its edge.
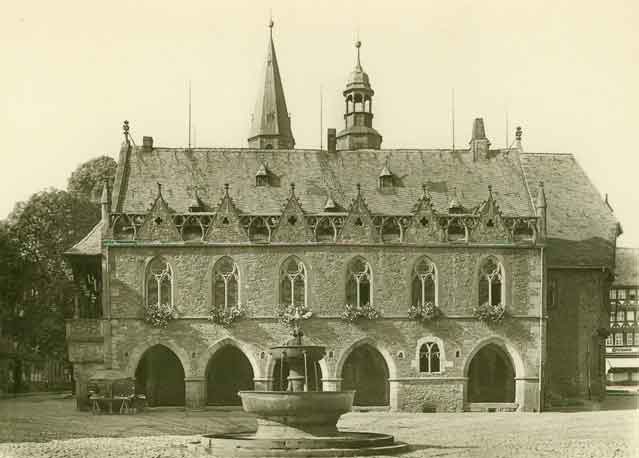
(292, 189)
(125, 129)
(518, 133)
(359, 188)
(159, 188)
(490, 190)
(226, 189)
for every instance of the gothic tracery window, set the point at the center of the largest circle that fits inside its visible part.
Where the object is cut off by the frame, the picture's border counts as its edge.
(424, 283)
(159, 283)
(429, 357)
(226, 282)
(293, 282)
(491, 283)
(359, 283)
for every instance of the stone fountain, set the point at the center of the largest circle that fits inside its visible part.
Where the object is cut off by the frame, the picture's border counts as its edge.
(297, 422)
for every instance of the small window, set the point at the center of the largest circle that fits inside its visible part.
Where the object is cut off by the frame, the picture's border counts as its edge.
(629, 338)
(612, 318)
(429, 358)
(620, 316)
(456, 231)
(619, 338)
(358, 284)
(491, 283)
(609, 340)
(386, 182)
(621, 295)
(261, 180)
(159, 283)
(630, 316)
(226, 279)
(293, 283)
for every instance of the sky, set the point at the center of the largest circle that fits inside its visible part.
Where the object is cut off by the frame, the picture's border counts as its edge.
(566, 71)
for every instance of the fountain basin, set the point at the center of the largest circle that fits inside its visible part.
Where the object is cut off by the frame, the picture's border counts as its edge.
(296, 413)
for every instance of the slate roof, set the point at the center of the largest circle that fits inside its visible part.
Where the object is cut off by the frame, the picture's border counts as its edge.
(581, 229)
(626, 267)
(90, 245)
(318, 174)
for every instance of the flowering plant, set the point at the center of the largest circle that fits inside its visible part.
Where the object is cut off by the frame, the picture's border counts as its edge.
(290, 315)
(353, 313)
(489, 313)
(158, 315)
(424, 312)
(226, 316)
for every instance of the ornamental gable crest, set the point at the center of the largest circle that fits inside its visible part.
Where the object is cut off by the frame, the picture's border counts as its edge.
(358, 227)
(424, 227)
(158, 224)
(491, 226)
(292, 225)
(226, 226)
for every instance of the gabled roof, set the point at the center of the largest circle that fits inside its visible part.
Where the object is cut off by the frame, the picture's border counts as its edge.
(91, 245)
(318, 174)
(626, 267)
(581, 229)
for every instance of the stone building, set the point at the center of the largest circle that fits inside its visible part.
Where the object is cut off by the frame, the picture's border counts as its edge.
(380, 230)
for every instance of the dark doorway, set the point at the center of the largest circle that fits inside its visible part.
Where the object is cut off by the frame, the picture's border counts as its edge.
(228, 372)
(366, 372)
(160, 376)
(491, 377)
(279, 376)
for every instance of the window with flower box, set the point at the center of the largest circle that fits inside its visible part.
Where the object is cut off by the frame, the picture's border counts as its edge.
(491, 283)
(359, 283)
(226, 284)
(630, 338)
(619, 338)
(609, 340)
(424, 283)
(159, 283)
(293, 283)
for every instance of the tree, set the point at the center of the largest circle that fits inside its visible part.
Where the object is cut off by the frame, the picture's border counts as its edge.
(48, 224)
(88, 179)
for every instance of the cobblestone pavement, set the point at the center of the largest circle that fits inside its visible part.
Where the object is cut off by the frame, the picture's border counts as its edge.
(173, 433)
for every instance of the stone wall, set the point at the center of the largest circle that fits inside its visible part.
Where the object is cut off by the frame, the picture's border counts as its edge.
(575, 365)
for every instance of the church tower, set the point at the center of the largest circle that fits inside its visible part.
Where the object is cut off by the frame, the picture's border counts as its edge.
(358, 132)
(270, 123)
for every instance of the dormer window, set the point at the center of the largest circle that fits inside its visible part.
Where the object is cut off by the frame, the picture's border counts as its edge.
(385, 178)
(262, 177)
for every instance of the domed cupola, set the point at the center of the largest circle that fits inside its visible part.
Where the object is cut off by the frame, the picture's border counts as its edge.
(358, 132)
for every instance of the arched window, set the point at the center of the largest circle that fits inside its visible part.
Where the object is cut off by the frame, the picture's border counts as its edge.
(424, 283)
(226, 284)
(293, 282)
(359, 283)
(429, 357)
(159, 283)
(491, 283)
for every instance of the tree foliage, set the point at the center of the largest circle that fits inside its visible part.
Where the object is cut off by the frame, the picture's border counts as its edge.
(88, 179)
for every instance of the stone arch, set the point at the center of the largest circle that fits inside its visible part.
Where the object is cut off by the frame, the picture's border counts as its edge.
(205, 357)
(227, 372)
(161, 376)
(138, 352)
(512, 356)
(370, 396)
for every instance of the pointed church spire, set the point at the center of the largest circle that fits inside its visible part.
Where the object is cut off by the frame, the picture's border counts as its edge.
(270, 123)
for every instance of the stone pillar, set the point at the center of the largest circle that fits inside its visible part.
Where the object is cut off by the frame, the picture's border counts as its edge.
(332, 384)
(263, 383)
(195, 392)
(393, 394)
(81, 392)
(527, 394)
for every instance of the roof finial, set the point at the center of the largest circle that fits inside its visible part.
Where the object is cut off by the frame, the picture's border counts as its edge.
(490, 191)
(270, 22)
(292, 189)
(359, 189)
(358, 44)
(226, 189)
(159, 188)
(518, 133)
(125, 129)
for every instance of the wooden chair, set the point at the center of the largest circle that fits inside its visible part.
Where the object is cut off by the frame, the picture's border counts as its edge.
(94, 397)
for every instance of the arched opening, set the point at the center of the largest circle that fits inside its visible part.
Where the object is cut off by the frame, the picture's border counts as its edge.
(225, 282)
(160, 376)
(491, 376)
(423, 288)
(358, 283)
(228, 372)
(491, 283)
(314, 376)
(429, 358)
(358, 103)
(293, 282)
(365, 371)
